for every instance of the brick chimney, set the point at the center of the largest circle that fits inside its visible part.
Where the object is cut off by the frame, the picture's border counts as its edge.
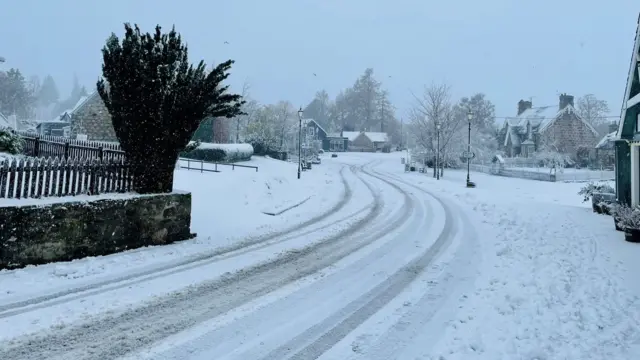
(523, 106)
(565, 100)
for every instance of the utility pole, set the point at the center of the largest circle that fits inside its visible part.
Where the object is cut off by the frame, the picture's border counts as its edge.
(437, 151)
(401, 133)
(382, 118)
(300, 113)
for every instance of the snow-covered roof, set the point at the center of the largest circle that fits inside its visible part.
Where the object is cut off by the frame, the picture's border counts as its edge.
(373, 136)
(334, 135)
(535, 116)
(540, 118)
(351, 135)
(82, 101)
(570, 110)
(69, 112)
(4, 122)
(307, 121)
(377, 136)
(633, 68)
(607, 141)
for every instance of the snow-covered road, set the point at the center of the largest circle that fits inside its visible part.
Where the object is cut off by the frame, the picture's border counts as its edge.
(379, 265)
(300, 294)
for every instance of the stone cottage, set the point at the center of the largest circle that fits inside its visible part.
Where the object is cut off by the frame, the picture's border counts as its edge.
(555, 128)
(366, 140)
(90, 117)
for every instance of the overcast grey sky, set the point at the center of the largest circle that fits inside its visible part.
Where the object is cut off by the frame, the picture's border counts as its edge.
(508, 49)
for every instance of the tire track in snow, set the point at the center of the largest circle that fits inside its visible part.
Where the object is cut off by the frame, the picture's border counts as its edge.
(361, 309)
(202, 259)
(288, 315)
(420, 326)
(111, 337)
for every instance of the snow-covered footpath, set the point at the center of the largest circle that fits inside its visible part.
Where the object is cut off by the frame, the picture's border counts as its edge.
(227, 208)
(557, 281)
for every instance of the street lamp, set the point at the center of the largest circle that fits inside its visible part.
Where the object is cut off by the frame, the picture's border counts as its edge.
(438, 151)
(468, 154)
(300, 113)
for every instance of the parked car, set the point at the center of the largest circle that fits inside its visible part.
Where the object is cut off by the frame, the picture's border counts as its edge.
(316, 160)
(334, 155)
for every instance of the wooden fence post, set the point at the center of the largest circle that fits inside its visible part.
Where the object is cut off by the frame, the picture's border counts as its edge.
(36, 147)
(100, 153)
(66, 149)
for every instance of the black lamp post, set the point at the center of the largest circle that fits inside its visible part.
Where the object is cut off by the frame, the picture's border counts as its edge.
(300, 113)
(468, 154)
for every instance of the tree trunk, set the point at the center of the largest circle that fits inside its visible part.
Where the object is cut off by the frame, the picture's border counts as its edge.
(153, 176)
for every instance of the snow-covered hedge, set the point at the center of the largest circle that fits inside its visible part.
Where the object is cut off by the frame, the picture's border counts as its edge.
(220, 152)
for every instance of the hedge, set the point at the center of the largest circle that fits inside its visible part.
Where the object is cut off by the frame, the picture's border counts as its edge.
(220, 152)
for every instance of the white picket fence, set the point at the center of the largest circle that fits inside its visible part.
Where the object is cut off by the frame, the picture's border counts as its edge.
(545, 174)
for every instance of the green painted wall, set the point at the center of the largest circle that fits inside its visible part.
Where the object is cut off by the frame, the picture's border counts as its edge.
(623, 172)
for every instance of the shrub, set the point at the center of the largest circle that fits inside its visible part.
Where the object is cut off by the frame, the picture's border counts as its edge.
(219, 152)
(627, 217)
(588, 190)
(10, 142)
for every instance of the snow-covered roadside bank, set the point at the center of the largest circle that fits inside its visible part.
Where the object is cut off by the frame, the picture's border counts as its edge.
(226, 208)
(557, 281)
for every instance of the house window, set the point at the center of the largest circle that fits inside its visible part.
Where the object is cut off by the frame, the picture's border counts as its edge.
(310, 131)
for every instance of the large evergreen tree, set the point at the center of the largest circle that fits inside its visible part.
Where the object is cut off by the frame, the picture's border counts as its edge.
(48, 92)
(16, 96)
(157, 100)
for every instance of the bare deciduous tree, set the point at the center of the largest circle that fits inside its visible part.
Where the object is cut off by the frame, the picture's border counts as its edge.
(434, 108)
(594, 111)
(249, 109)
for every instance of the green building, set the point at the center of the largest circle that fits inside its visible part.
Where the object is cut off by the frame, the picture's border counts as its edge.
(627, 141)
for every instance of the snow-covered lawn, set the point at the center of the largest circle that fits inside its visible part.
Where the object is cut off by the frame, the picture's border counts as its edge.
(226, 207)
(556, 282)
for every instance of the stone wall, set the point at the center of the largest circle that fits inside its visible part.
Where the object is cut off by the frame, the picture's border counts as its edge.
(93, 119)
(46, 233)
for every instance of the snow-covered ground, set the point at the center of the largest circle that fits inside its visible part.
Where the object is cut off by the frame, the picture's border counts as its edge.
(227, 211)
(557, 281)
(407, 268)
